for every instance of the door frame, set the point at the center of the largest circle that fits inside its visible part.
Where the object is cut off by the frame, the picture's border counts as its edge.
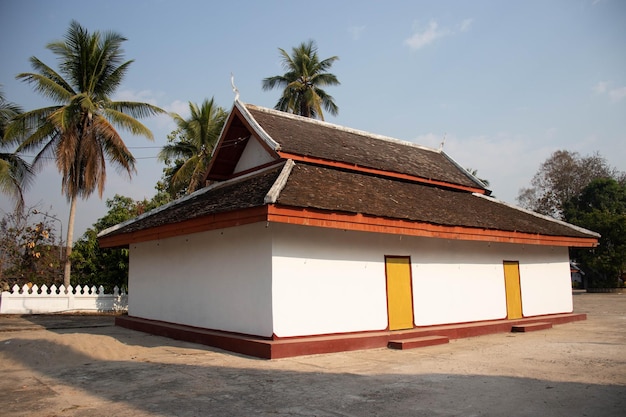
(513, 291)
(402, 301)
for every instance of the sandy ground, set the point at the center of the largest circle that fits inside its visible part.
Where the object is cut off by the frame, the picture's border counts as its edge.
(84, 366)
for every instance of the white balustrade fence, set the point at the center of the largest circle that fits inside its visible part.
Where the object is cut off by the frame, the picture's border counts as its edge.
(44, 299)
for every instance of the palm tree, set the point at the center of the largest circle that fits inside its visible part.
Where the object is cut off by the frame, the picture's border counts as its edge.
(15, 173)
(474, 173)
(78, 130)
(191, 146)
(301, 83)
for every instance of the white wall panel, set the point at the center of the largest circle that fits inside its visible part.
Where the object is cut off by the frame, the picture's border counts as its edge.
(217, 280)
(292, 280)
(546, 282)
(253, 155)
(333, 281)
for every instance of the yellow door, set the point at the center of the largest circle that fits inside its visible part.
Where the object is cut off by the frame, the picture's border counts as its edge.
(399, 294)
(513, 290)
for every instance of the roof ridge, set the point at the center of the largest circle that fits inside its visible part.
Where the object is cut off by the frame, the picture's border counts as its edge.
(340, 127)
(272, 195)
(466, 172)
(263, 135)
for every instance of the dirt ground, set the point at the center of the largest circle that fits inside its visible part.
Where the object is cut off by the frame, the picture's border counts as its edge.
(85, 366)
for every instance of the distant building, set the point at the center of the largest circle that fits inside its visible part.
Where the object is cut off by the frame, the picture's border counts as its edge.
(578, 276)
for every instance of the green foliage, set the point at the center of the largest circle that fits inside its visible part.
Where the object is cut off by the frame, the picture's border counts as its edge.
(108, 267)
(189, 148)
(29, 251)
(601, 207)
(562, 177)
(305, 75)
(80, 128)
(15, 173)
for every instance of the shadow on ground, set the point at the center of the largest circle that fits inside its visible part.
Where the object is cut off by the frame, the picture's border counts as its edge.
(212, 386)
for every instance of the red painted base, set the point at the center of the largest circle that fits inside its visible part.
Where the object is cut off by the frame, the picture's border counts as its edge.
(417, 342)
(523, 328)
(297, 346)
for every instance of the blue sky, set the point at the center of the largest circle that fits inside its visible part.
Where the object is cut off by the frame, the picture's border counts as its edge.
(506, 83)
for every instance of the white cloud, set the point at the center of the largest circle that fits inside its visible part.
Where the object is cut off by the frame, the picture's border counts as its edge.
(144, 96)
(426, 36)
(601, 87)
(615, 94)
(508, 161)
(430, 140)
(432, 32)
(465, 25)
(178, 107)
(356, 31)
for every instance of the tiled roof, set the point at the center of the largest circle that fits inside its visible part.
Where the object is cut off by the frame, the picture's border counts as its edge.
(308, 137)
(335, 190)
(232, 195)
(315, 187)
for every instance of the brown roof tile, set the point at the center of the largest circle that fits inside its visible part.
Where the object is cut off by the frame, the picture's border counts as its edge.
(307, 137)
(342, 190)
(222, 197)
(323, 188)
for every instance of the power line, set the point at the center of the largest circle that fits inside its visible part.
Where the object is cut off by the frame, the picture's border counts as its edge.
(144, 147)
(53, 158)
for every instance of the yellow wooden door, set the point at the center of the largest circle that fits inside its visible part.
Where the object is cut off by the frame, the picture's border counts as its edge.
(399, 294)
(513, 290)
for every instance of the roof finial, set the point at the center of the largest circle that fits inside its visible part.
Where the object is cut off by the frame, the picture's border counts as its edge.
(443, 142)
(235, 90)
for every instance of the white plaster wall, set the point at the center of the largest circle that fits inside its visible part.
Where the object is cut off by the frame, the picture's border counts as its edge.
(333, 281)
(546, 282)
(325, 283)
(217, 280)
(253, 155)
(455, 282)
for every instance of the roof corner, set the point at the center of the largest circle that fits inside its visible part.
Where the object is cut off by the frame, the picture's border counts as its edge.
(272, 195)
(263, 135)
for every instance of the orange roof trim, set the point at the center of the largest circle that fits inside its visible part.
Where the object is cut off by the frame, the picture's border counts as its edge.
(355, 222)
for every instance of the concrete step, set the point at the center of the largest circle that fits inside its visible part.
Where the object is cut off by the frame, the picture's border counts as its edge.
(417, 342)
(531, 327)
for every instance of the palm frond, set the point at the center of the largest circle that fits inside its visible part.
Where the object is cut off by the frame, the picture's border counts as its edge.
(135, 109)
(47, 87)
(128, 122)
(16, 176)
(305, 73)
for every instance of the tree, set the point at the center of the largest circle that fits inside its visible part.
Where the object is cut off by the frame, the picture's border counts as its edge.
(191, 145)
(29, 251)
(601, 207)
(305, 75)
(78, 131)
(562, 177)
(15, 173)
(107, 267)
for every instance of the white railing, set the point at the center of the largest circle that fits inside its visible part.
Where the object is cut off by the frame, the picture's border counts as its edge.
(44, 299)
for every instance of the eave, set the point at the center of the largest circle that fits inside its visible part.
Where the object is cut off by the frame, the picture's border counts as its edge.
(364, 223)
(187, 227)
(273, 213)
